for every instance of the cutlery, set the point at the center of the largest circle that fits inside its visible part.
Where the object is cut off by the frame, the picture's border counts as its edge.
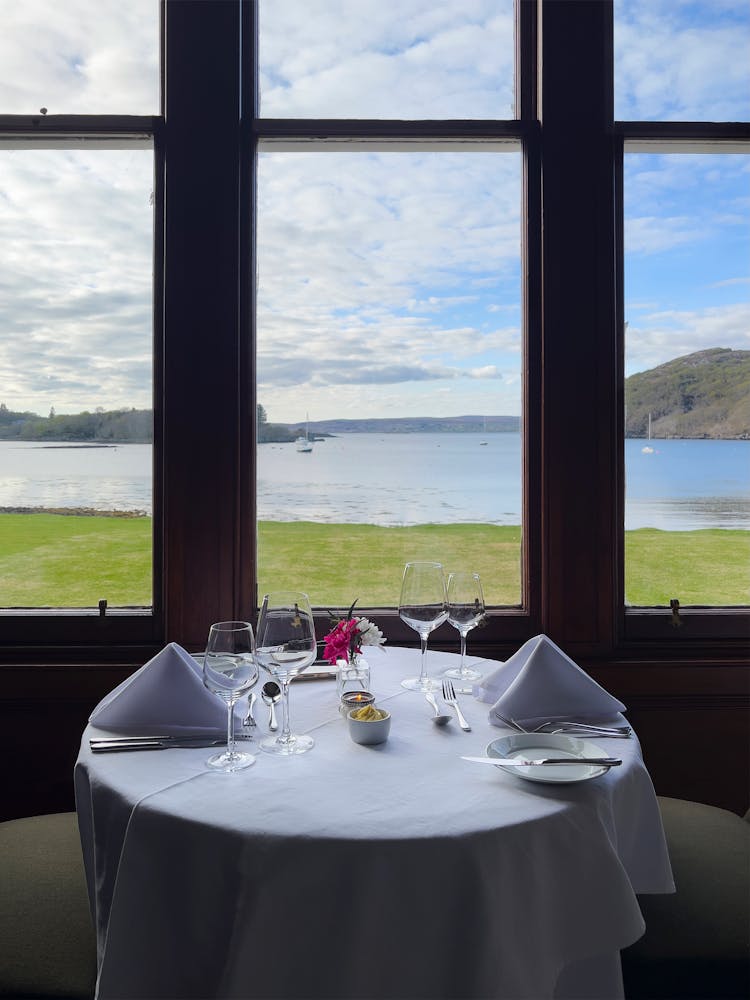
(437, 718)
(544, 761)
(249, 720)
(186, 738)
(156, 743)
(622, 732)
(449, 697)
(271, 693)
(565, 727)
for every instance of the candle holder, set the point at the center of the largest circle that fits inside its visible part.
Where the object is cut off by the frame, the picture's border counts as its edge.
(355, 699)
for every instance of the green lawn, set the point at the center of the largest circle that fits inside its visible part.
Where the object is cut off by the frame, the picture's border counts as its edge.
(75, 561)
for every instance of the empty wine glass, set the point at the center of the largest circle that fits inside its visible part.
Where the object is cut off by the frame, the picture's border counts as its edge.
(229, 671)
(423, 606)
(285, 646)
(465, 611)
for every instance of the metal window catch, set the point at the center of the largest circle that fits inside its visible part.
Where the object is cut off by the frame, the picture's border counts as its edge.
(675, 606)
(102, 609)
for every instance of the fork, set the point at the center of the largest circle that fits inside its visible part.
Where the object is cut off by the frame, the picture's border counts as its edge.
(449, 697)
(616, 732)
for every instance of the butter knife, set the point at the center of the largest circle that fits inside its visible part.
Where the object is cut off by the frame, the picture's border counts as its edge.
(98, 743)
(544, 761)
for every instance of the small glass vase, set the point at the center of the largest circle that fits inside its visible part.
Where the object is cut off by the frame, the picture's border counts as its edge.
(352, 676)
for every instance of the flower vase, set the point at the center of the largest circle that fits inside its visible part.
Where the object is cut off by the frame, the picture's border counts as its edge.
(352, 675)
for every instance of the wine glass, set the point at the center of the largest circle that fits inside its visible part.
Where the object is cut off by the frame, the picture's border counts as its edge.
(465, 611)
(286, 645)
(229, 671)
(423, 606)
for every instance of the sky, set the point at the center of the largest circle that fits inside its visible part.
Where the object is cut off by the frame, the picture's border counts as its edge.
(389, 283)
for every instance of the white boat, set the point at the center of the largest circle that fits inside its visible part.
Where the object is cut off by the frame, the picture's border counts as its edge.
(303, 442)
(647, 449)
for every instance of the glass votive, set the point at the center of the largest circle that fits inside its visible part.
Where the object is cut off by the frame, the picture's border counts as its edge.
(355, 699)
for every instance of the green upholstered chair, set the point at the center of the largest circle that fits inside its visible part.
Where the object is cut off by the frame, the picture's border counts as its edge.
(697, 941)
(47, 943)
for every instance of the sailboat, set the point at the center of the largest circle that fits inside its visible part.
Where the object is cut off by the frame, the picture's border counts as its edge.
(303, 442)
(647, 449)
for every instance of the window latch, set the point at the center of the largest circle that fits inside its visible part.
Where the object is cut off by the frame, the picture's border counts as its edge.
(674, 604)
(102, 609)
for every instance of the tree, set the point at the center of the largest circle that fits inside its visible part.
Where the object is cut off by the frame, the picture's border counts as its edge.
(262, 417)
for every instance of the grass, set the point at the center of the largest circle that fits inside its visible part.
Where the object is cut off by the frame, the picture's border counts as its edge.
(75, 561)
(63, 560)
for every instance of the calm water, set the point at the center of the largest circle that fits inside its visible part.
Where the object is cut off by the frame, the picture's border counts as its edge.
(396, 479)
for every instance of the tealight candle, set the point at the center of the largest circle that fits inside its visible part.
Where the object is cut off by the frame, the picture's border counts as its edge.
(355, 699)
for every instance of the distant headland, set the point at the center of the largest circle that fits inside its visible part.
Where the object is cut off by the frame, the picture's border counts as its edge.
(700, 395)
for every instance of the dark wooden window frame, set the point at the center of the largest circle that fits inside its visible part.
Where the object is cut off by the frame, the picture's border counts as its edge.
(204, 524)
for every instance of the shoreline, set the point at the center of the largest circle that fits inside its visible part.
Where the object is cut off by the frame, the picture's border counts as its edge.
(74, 511)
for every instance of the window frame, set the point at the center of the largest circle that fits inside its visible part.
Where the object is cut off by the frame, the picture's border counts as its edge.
(204, 142)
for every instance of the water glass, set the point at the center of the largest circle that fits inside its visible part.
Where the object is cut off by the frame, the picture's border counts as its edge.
(229, 671)
(423, 606)
(465, 612)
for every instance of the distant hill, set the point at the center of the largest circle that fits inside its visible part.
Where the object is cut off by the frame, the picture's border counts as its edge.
(413, 425)
(701, 395)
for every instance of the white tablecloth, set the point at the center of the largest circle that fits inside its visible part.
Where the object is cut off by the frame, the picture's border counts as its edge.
(365, 872)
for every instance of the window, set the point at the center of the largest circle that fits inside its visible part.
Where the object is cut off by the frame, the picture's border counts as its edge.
(389, 313)
(687, 365)
(485, 240)
(77, 178)
(685, 107)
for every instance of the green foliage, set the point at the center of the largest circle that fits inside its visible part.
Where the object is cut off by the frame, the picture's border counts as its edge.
(701, 395)
(101, 426)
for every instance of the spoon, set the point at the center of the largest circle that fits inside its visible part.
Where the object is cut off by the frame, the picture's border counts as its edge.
(438, 719)
(270, 693)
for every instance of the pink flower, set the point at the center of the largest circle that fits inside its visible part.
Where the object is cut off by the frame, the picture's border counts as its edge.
(342, 642)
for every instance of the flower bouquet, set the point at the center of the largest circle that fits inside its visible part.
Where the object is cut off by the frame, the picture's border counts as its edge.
(343, 649)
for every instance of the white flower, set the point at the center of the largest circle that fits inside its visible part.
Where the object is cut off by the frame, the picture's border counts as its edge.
(369, 634)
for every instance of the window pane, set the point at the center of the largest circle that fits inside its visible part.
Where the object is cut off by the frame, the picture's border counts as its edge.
(75, 377)
(389, 315)
(386, 59)
(79, 57)
(687, 505)
(682, 60)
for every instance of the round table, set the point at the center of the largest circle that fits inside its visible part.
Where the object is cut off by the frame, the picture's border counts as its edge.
(392, 871)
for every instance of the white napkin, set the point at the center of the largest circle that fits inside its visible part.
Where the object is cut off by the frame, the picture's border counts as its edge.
(166, 695)
(540, 682)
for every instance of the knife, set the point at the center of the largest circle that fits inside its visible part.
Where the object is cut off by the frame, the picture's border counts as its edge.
(157, 743)
(526, 762)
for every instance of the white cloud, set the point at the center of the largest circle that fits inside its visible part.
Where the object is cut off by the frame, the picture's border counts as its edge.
(392, 59)
(79, 57)
(661, 336)
(676, 60)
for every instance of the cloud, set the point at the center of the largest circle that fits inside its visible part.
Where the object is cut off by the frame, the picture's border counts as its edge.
(76, 231)
(80, 58)
(429, 61)
(661, 336)
(677, 61)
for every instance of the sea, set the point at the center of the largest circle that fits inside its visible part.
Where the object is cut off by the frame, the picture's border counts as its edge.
(394, 480)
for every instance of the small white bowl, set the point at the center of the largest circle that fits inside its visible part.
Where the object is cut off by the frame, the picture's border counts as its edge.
(369, 733)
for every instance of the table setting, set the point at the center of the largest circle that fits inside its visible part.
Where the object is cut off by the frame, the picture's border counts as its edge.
(409, 855)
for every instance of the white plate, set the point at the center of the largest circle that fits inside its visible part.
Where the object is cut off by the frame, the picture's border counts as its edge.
(541, 745)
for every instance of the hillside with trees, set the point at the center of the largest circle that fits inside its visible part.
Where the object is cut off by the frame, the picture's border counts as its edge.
(101, 426)
(701, 395)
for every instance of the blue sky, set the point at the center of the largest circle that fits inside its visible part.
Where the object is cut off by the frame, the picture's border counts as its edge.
(389, 283)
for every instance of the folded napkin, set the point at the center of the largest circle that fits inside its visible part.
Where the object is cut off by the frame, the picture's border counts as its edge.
(166, 695)
(540, 682)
